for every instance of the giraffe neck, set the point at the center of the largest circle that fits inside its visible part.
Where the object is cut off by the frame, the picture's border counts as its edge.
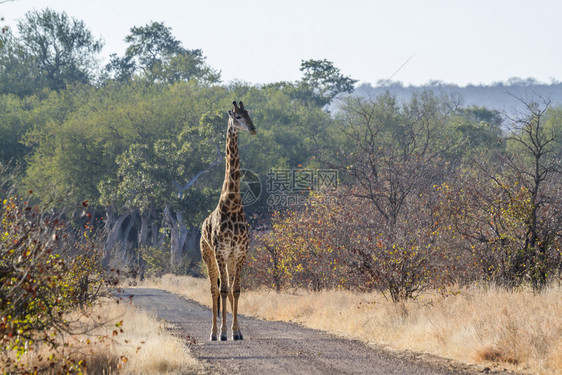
(230, 200)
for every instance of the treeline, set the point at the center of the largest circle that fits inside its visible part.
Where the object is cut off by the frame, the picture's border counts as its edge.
(429, 191)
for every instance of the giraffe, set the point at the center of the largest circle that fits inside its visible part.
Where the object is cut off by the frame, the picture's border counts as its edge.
(224, 234)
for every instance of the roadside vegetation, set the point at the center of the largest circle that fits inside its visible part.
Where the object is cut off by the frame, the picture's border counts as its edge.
(55, 313)
(408, 211)
(143, 345)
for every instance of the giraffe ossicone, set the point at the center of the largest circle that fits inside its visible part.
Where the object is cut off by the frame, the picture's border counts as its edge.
(224, 233)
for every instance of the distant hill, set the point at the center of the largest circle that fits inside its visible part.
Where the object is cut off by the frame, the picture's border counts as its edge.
(500, 96)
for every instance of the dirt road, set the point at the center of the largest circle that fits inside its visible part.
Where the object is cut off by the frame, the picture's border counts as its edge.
(279, 348)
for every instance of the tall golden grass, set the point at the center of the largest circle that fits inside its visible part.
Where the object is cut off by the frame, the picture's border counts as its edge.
(160, 352)
(519, 331)
(143, 347)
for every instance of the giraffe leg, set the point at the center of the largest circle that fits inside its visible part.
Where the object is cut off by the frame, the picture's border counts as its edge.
(212, 270)
(224, 290)
(231, 275)
(218, 298)
(231, 299)
(236, 333)
(215, 296)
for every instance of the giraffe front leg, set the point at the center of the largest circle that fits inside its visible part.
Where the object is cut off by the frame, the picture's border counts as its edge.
(236, 333)
(223, 294)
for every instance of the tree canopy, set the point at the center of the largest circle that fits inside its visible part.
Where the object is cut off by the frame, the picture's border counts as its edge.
(51, 50)
(157, 56)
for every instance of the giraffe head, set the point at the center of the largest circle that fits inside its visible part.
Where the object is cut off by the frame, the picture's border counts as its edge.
(241, 119)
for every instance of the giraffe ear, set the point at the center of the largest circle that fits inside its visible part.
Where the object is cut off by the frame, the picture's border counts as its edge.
(230, 113)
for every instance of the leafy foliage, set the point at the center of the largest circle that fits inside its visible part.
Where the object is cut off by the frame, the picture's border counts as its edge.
(51, 51)
(300, 251)
(156, 55)
(324, 81)
(47, 269)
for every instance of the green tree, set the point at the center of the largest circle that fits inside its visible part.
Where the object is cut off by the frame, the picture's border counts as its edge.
(156, 55)
(321, 83)
(17, 75)
(74, 144)
(14, 123)
(52, 50)
(324, 81)
(475, 131)
(126, 148)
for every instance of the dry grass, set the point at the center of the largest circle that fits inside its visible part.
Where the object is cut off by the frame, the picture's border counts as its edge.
(160, 352)
(521, 331)
(143, 347)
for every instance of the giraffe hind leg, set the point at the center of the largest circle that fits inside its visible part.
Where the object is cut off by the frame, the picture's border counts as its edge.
(215, 296)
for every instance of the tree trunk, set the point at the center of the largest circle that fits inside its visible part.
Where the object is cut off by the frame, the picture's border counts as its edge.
(157, 238)
(113, 229)
(125, 237)
(178, 235)
(191, 246)
(146, 221)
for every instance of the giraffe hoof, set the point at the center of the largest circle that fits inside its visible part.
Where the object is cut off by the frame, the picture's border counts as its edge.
(213, 337)
(237, 336)
(223, 337)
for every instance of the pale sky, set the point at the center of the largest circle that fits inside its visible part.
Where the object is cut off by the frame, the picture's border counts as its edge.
(263, 41)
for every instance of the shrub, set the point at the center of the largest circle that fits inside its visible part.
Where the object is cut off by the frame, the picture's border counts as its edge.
(157, 261)
(47, 269)
(340, 241)
(493, 219)
(302, 250)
